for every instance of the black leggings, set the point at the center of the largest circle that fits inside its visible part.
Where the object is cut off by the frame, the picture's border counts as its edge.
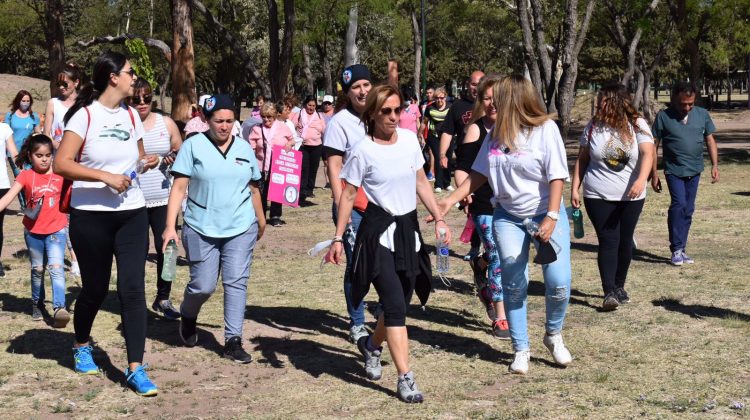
(310, 163)
(394, 289)
(614, 222)
(96, 237)
(275, 207)
(2, 218)
(442, 175)
(157, 219)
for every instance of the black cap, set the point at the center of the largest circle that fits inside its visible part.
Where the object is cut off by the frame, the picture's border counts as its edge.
(352, 74)
(217, 102)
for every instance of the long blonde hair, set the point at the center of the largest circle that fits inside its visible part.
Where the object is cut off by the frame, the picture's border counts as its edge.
(487, 82)
(518, 108)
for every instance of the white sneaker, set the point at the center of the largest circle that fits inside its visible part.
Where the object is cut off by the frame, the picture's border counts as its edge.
(520, 364)
(74, 269)
(356, 332)
(560, 353)
(450, 188)
(438, 190)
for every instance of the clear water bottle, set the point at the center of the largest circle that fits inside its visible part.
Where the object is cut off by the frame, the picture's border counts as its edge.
(169, 271)
(577, 223)
(442, 252)
(533, 227)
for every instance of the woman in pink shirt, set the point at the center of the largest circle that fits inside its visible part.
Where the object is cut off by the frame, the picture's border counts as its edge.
(263, 137)
(410, 114)
(310, 126)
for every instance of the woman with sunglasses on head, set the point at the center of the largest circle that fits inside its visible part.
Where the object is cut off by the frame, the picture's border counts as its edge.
(390, 253)
(161, 138)
(524, 162)
(102, 151)
(272, 132)
(434, 116)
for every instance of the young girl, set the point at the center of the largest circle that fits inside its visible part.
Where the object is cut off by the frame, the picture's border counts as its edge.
(44, 225)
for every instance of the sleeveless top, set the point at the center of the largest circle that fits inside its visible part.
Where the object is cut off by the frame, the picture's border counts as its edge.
(155, 183)
(480, 203)
(58, 126)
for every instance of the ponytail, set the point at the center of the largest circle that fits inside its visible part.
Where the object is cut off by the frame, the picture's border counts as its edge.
(29, 146)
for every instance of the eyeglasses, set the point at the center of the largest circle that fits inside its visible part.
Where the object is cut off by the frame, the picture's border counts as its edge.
(145, 99)
(62, 84)
(130, 71)
(440, 98)
(389, 111)
(327, 103)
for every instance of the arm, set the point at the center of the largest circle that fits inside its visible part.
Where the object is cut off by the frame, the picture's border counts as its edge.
(346, 203)
(445, 143)
(49, 115)
(555, 196)
(66, 166)
(644, 167)
(582, 163)
(655, 181)
(258, 206)
(335, 163)
(10, 146)
(176, 196)
(10, 195)
(474, 181)
(175, 139)
(713, 152)
(427, 196)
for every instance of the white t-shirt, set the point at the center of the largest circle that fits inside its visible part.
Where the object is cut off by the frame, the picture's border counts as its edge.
(343, 131)
(295, 135)
(5, 132)
(388, 174)
(520, 180)
(612, 169)
(112, 146)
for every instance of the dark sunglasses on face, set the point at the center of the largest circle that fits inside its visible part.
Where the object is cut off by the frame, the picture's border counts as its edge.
(62, 84)
(130, 71)
(137, 100)
(389, 111)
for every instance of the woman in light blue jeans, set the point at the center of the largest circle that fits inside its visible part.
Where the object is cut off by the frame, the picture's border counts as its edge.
(524, 161)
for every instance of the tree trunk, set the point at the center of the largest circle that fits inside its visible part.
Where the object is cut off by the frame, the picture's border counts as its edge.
(323, 53)
(547, 71)
(306, 69)
(280, 59)
(183, 60)
(528, 46)
(417, 35)
(351, 53)
(55, 40)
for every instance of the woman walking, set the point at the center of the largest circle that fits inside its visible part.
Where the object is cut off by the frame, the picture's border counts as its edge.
(433, 118)
(310, 127)
(100, 151)
(223, 220)
(8, 147)
(614, 162)
(22, 119)
(161, 138)
(390, 253)
(524, 162)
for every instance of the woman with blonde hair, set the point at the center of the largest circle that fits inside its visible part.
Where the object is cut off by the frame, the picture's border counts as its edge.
(525, 164)
(434, 116)
(614, 161)
(389, 250)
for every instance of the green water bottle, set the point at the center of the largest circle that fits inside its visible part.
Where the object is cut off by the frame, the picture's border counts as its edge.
(577, 223)
(169, 271)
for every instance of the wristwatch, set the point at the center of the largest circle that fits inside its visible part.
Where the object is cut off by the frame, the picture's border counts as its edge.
(553, 215)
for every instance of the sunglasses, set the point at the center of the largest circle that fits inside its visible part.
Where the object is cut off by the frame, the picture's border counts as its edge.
(62, 84)
(440, 98)
(130, 71)
(389, 111)
(145, 99)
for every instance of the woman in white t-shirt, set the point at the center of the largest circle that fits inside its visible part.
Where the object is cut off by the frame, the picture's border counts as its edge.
(614, 162)
(389, 251)
(102, 152)
(8, 146)
(524, 161)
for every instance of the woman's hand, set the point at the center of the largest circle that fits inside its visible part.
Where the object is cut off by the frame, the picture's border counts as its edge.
(169, 158)
(575, 199)
(444, 205)
(118, 182)
(335, 252)
(289, 146)
(170, 234)
(152, 161)
(444, 162)
(545, 229)
(261, 228)
(440, 224)
(637, 189)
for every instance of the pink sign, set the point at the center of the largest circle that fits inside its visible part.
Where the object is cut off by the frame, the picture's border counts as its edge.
(284, 181)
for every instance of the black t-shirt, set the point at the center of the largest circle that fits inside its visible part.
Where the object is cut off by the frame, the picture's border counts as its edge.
(466, 154)
(457, 118)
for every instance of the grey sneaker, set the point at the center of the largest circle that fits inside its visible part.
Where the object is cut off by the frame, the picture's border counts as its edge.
(622, 295)
(407, 389)
(356, 332)
(610, 302)
(36, 312)
(686, 258)
(372, 359)
(166, 308)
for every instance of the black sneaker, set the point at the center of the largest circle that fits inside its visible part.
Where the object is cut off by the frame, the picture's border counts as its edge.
(610, 302)
(36, 312)
(480, 275)
(188, 331)
(233, 351)
(166, 308)
(622, 295)
(275, 222)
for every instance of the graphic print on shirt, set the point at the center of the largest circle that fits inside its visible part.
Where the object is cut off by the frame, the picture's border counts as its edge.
(616, 154)
(117, 132)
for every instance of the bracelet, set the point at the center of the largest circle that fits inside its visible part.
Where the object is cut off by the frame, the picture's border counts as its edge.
(337, 239)
(440, 220)
(553, 215)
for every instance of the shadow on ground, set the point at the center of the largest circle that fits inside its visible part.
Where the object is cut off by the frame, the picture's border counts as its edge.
(699, 311)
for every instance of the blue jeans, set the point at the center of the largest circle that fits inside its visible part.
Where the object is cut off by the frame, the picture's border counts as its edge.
(356, 315)
(483, 227)
(682, 191)
(208, 257)
(514, 257)
(52, 248)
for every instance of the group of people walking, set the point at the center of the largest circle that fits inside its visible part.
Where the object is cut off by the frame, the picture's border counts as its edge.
(120, 170)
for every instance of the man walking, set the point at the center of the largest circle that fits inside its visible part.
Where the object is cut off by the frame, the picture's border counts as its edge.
(683, 128)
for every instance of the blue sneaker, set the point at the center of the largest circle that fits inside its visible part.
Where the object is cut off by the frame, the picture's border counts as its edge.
(686, 258)
(84, 363)
(677, 258)
(430, 177)
(139, 382)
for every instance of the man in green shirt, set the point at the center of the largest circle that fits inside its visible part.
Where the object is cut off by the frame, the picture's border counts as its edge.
(683, 128)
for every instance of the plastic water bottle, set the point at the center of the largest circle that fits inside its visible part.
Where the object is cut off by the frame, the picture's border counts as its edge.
(169, 271)
(577, 223)
(442, 253)
(533, 227)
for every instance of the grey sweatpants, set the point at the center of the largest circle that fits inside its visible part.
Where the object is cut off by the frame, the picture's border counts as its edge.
(207, 258)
